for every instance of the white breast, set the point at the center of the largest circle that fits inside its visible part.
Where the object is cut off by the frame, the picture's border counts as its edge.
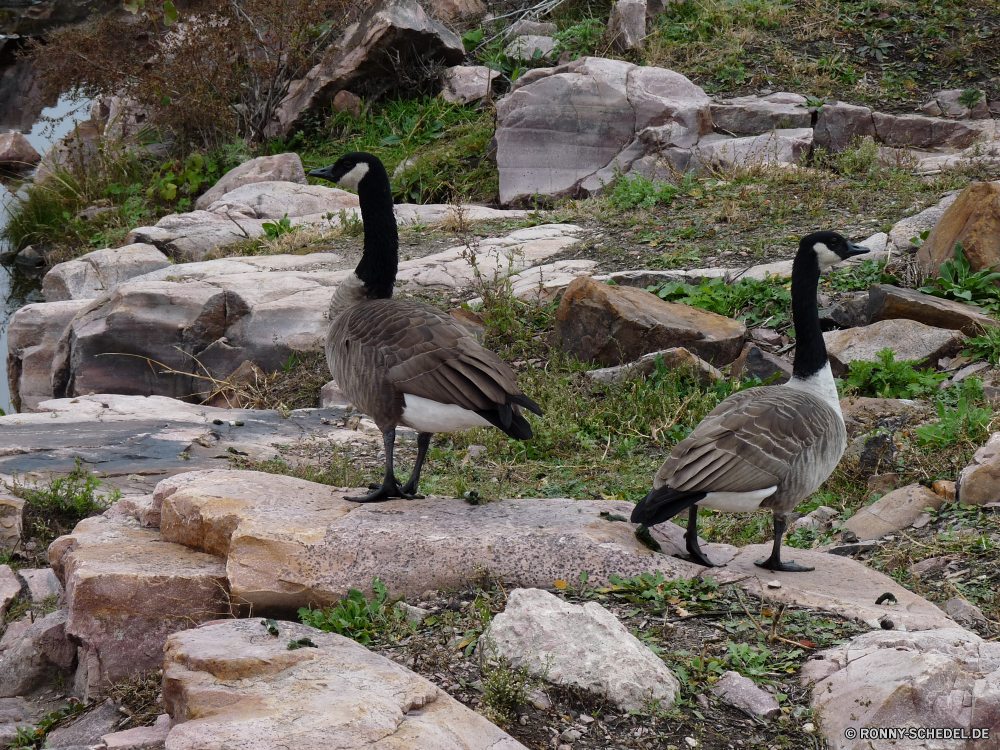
(425, 415)
(736, 502)
(821, 385)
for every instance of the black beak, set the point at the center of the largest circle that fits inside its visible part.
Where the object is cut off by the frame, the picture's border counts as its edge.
(852, 249)
(325, 173)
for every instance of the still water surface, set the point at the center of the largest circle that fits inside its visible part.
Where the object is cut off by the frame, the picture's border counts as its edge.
(17, 289)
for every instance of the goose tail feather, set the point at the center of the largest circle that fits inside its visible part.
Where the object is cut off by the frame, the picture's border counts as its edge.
(663, 504)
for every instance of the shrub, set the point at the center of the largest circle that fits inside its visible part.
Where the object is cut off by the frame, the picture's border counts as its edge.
(888, 378)
(959, 283)
(757, 303)
(637, 191)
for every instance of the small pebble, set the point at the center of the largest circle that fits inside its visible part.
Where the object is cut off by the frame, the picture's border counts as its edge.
(523, 721)
(702, 700)
(570, 735)
(691, 741)
(808, 727)
(774, 584)
(565, 747)
(585, 719)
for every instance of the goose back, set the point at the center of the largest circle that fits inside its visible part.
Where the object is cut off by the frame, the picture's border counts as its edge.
(758, 438)
(381, 350)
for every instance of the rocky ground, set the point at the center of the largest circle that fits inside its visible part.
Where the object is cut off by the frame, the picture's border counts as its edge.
(176, 552)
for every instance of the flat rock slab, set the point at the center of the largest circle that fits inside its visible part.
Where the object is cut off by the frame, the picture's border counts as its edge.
(293, 543)
(909, 339)
(17, 713)
(232, 685)
(937, 678)
(155, 437)
(897, 510)
(887, 302)
(839, 585)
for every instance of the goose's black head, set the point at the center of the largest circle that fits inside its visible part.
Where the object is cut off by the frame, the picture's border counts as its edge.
(353, 170)
(829, 248)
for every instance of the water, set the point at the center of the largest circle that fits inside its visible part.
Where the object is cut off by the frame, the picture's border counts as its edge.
(17, 289)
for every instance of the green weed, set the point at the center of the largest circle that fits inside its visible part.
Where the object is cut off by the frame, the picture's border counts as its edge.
(958, 282)
(505, 689)
(964, 422)
(34, 737)
(275, 229)
(636, 191)
(888, 378)
(580, 40)
(860, 277)
(986, 345)
(757, 303)
(358, 618)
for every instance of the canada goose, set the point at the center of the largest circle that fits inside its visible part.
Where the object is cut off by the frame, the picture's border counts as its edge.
(766, 447)
(402, 362)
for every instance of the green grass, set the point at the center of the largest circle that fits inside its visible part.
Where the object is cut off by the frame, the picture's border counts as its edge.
(443, 145)
(757, 303)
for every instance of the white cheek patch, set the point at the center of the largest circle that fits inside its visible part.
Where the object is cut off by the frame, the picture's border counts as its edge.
(352, 178)
(825, 255)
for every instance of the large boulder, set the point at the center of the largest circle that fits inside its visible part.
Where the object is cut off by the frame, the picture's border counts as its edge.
(95, 273)
(974, 220)
(750, 115)
(280, 167)
(74, 152)
(289, 542)
(16, 152)
(916, 131)
(887, 302)
(627, 25)
(930, 679)
(560, 126)
(126, 597)
(579, 646)
(391, 36)
(33, 336)
(910, 340)
(614, 324)
(334, 693)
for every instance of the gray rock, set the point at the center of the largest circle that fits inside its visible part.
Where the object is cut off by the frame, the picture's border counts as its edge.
(17, 713)
(838, 125)
(33, 334)
(755, 362)
(750, 115)
(819, 519)
(331, 397)
(280, 167)
(32, 653)
(627, 24)
(524, 47)
(893, 512)
(533, 28)
(140, 738)
(673, 359)
(847, 313)
(414, 615)
(888, 302)
(394, 35)
(11, 519)
(741, 692)
(950, 677)
(16, 152)
(946, 103)
(915, 131)
(468, 83)
(905, 229)
(40, 583)
(964, 611)
(560, 125)
(979, 482)
(10, 587)
(909, 339)
(275, 199)
(584, 647)
(95, 273)
(88, 728)
(777, 147)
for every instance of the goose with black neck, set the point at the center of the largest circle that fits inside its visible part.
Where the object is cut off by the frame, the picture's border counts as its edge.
(404, 362)
(766, 447)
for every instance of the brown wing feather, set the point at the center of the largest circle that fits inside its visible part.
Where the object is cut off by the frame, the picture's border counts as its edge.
(748, 442)
(426, 353)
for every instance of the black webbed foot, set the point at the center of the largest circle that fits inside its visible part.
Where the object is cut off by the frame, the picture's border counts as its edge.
(777, 565)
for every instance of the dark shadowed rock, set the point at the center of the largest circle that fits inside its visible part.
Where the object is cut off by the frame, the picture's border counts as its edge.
(392, 36)
(16, 152)
(974, 220)
(755, 362)
(947, 104)
(87, 729)
(915, 131)
(888, 302)
(615, 324)
(32, 653)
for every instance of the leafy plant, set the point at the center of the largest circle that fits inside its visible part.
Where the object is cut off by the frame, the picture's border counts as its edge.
(961, 422)
(875, 47)
(887, 378)
(357, 618)
(969, 98)
(860, 277)
(958, 282)
(505, 689)
(767, 303)
(471, 39)
(635, 190)
(652, 588)
(987, 345)
(275, 229)
(580, 40)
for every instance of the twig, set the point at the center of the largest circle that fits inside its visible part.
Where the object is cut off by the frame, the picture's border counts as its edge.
(771, 637)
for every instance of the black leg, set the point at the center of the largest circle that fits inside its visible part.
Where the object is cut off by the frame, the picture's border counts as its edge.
(390, 485)
(691, 536)
(423, 443)
(774, 561)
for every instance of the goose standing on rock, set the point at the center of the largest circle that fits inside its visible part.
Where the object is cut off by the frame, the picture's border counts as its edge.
(403, 362)
(766, 447)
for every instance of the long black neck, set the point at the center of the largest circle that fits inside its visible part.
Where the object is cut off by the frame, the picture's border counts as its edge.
(380, 259)
(810, 350)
